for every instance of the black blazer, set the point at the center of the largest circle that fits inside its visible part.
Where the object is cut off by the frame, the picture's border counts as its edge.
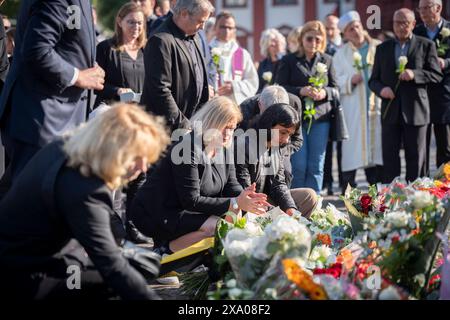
(294, 72)
(37, 92)
(191, 186)
(250, 111)
(411, 101)
(170, 87)
(439, 93)
(61, 204)
(255, 165)
(111, 61)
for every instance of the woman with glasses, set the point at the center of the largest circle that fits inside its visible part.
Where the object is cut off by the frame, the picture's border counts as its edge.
(294, 72)
(122, 56)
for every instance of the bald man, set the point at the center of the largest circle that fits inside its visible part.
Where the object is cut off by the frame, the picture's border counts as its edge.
(408, 115)
(430, 12)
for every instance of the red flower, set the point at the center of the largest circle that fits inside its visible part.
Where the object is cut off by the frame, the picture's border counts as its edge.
(395, 239)
(366, 203)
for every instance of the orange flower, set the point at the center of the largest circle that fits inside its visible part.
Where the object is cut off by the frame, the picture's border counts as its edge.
(324, 239)
(447, 171)
(303, 280)
(345, 257)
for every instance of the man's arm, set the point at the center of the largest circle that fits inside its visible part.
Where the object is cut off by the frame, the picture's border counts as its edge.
(157, 95)
(431, 72)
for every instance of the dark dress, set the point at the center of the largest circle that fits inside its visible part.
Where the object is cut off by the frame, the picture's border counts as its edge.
(60, 205)
(178, 198)
(121, 71)
(267, 65)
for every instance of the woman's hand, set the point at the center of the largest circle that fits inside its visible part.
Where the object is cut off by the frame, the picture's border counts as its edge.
(251, 201)
(319, 95)
(123, 90)
(307, 92)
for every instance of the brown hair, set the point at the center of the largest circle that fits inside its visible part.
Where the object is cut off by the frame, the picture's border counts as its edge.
(313, 26)
(126, 9)
(224, 14)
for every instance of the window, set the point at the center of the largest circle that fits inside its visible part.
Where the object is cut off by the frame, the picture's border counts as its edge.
(284, 2)
(234, 3)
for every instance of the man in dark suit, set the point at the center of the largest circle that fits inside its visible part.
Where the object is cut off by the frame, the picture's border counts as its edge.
(408, 114)
(46, 91)
(439, 94)
(176, 83)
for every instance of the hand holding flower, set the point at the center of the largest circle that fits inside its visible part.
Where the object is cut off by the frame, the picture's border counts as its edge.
(407, 75)
(357, 79)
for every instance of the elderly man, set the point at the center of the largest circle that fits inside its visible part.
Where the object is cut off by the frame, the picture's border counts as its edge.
(176, 83)
(361, 107)
(434, 28)
(405, 104)
(333, 34)
(236, 73)
(253, 107)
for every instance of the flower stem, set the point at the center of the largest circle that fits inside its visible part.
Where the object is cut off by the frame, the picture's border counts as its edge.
(390, 102)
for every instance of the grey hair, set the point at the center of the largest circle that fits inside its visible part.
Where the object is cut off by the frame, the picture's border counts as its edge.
(266, 36)
(193, 7)
(272, 95)
(407, 12)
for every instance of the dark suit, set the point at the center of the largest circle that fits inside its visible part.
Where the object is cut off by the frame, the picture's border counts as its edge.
(409, 112)
(439, 95)
(170, 88)
(177, 198)
(61, 205)
(38, 102)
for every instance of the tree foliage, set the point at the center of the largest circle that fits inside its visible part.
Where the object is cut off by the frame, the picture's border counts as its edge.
(10, 8)
(107, 10)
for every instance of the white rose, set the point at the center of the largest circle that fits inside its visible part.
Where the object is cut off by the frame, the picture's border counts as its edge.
(216, 51)
(398, 218)
(357, 58)
(445, 32)
(267, 76)
(322, 68)
(422, 199)
(403, 60)
(389, 294)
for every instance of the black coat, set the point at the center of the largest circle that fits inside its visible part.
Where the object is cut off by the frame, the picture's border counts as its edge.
(265, 168)
(294, 72)
(111, 61)
(61, 204)
(170, 86)
(250, 111)
(192, 186)
(439, 93)
(38, 92)
(411, 102)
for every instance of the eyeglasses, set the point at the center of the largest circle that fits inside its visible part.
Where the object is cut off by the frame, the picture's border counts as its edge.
(426, 8)
(134, 22)
(402, 23)
(311, 39)
(227, 28)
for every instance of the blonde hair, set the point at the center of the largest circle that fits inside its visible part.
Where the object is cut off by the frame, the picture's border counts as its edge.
(294, 35)
(214, 116)
(267, 36)
(316, 26)
(126, 9)
(107, 145)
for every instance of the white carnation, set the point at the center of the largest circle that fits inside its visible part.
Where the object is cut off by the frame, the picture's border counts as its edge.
(422, 199)
(322, 68)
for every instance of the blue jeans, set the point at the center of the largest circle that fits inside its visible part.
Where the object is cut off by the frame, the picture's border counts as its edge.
(308, 162)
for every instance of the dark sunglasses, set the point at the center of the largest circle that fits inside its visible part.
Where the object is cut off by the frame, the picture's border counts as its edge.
(311, 39)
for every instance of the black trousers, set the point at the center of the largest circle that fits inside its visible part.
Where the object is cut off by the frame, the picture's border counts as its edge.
(328, 168)
(19, 153)
(442, 136)
(414, 140)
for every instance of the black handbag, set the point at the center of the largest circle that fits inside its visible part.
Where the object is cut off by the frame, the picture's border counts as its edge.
(338, 125)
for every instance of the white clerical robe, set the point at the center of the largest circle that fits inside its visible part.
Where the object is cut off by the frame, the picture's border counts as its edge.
(244, 86)
(363, 148)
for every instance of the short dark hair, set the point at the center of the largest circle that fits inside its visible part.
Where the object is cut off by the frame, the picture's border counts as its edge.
(224, 14)
(279, 114)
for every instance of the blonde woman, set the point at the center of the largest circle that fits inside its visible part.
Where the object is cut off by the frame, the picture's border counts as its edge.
(293, 74)
(273, 48)
(68, 187)
(122, 56)
(292, 39)
(195, 184)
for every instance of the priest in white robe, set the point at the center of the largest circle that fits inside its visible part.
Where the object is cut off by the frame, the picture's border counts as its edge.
(353, 66)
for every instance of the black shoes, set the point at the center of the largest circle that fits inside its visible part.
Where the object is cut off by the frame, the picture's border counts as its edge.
(134, 235)
(329, 188)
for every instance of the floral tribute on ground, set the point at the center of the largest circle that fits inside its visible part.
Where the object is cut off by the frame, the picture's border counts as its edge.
(386, 246)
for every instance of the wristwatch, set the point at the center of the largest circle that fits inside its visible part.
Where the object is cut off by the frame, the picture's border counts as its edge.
(234, 204)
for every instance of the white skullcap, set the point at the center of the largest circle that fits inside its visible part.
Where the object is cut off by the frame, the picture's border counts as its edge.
(348, 18)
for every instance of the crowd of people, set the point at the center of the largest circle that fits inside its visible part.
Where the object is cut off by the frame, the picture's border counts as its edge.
(83, 117)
